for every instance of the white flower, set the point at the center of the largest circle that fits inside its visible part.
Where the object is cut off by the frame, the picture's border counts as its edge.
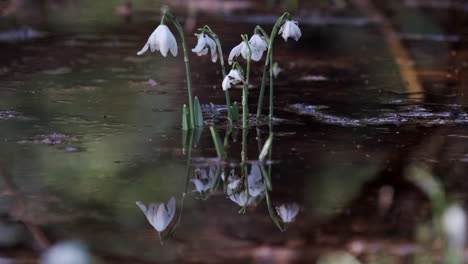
(232, 181)
(256, 185)
(291, 29)
(159, 215)
(66, 252)
(161, 39)
(454, 223)
(287, 212)
(241, 199)
(234, 77)
(205, 42)
(203, 181)
(258, 45)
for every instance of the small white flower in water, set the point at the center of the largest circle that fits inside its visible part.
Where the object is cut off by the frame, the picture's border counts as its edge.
(255, 181)
(241, 199)
(159, 215)
(258, 45)
(234, 77)
(232, 181)
(290, 29)
(66, 253)
(203, 181)
(287, 212)
(161, 39)
(454, 223)
(205, 42)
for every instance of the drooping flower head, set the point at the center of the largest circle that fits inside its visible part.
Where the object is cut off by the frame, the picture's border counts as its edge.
(205, 42)
(159, 215)
(287, 212)
(255, 181)
(234, 77)
(161, 39)
(242, 199)
(290, 28)
(203, 180)
(257, 44)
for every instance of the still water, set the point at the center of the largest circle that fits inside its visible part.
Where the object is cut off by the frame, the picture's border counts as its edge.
(88, 128)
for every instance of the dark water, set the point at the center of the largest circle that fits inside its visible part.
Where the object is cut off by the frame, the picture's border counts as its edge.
(88, 128)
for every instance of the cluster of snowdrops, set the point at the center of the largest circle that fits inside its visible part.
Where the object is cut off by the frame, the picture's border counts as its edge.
(252, 49)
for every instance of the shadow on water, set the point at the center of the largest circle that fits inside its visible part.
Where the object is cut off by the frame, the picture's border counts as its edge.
(357, 167)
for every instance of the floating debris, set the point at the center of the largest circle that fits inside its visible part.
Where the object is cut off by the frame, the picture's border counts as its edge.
(21, 34)
(58, 71)
(51, 139)
(5, 115)
(415, 116)
(313, 78)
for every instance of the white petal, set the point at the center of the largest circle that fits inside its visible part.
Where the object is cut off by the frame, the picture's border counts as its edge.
(173, 46)
(163, 40)
(203, 52)
(226, 83)
(245, 51)
(235, 76)
(151, 212)
(212, 44)
(201, 43)
(142, 207)
(144, 49)
(199, 186)
(258, 42)
(171, 206)
(235, 52)
(296, 31)
(161, 218)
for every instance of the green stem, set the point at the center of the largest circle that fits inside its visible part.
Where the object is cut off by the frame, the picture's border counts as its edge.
(245, 90)
(187, 65)
(269, 63)
(223, 69)
(244, 145)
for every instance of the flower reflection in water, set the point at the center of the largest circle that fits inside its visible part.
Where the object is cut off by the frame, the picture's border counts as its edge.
(287, 212)
(203, 181)
(255, 181)
(158, 214)
(232, 181)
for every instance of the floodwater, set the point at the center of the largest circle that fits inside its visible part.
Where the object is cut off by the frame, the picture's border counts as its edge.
(370, 139)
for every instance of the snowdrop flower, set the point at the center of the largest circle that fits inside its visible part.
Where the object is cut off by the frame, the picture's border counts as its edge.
(205, 42)
(256, 185)
(241, 199)
(159, 215)
(287, 212)
(454, 223)
(163, 40)
(258, 45)
(291, 29)
(232, 181)
(234, 77)
(66, 252)
(203, 181)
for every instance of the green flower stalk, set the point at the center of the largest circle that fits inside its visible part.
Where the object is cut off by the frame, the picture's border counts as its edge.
(245, 90)
(215, 46)
(164, 41)
(287, 28)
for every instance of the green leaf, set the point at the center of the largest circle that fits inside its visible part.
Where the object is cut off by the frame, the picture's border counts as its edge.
(198, 113)
(235, 111)
(218, 143)
(266, 148)
(185, 118)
